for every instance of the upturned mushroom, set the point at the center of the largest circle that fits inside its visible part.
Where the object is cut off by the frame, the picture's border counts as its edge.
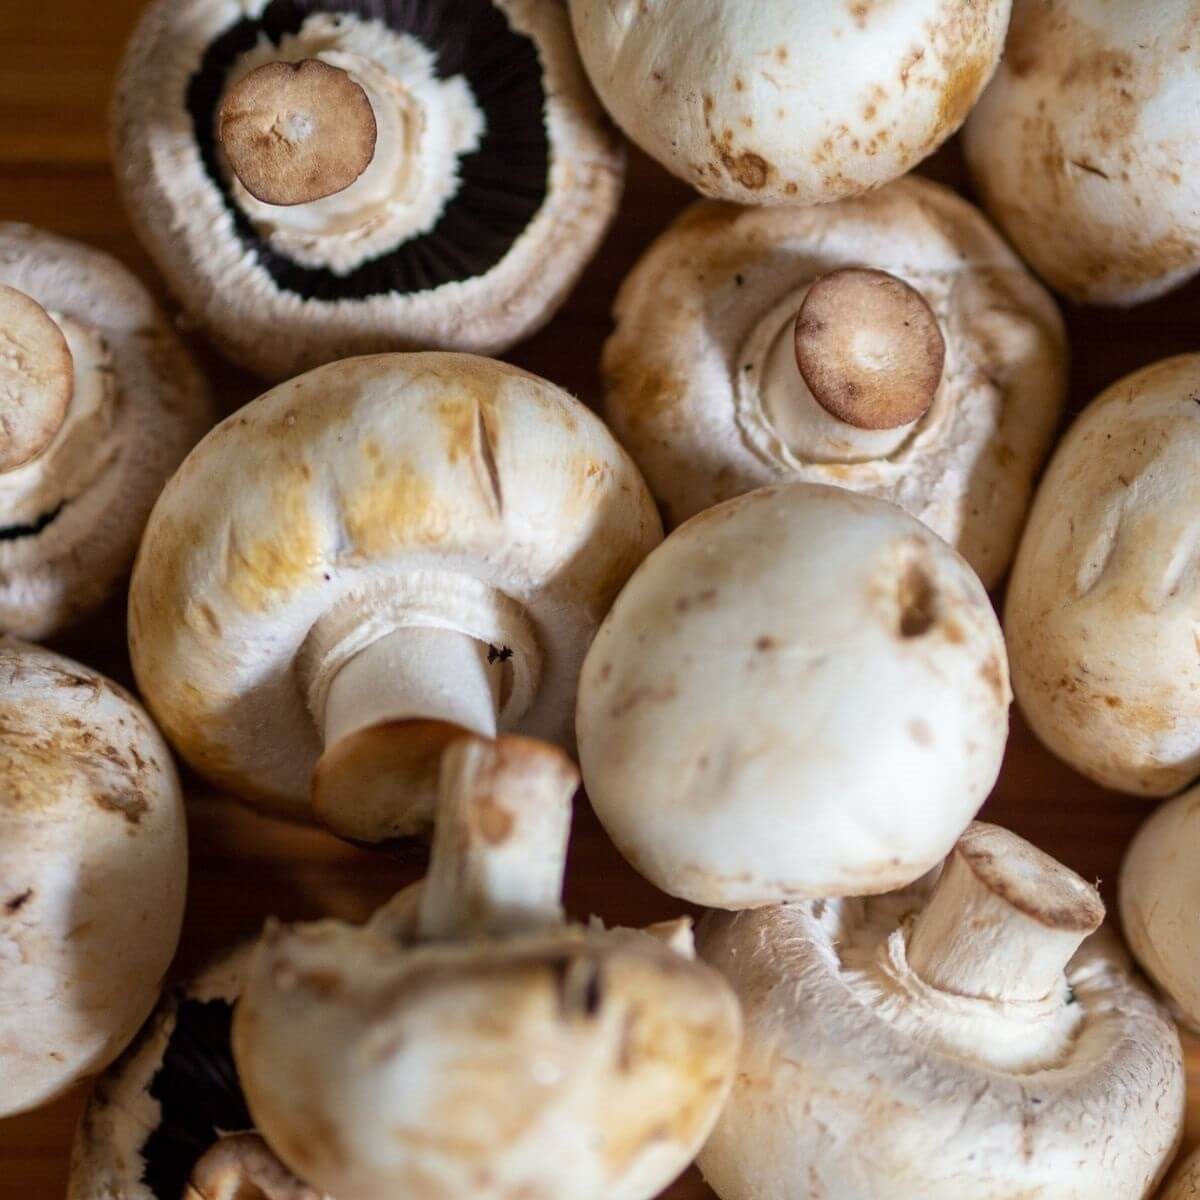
(1081, 151)
(1184, 1183)
(891, 344)
(319, 181)
(99, 402)
(1160, 897)
(803, 692)
(789, 101)
(93, 870)
(366, 561)
(1104, 599)
(950, 1041)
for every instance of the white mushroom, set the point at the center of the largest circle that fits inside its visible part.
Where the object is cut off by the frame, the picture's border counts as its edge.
(802, 692)
(99, 402)
(753, 348)
(1184, 1183)
(93, 871)
(1104, 599)
(1083, 148)
(1160, 902)
(369, 559)
(789, 101)
(322, 181)
(945, 1041)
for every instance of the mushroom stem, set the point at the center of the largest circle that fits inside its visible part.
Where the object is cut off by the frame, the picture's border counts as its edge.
(242, 1167)
(1003, 920)
(500, 844)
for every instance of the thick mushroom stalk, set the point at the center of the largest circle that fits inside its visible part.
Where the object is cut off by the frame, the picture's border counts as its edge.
(242, 1167)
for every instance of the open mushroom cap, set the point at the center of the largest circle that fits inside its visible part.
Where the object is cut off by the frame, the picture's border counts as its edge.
(1083, 150)
(1104, 598)
(1184, 1183)
(932, 366)
(789, 101)
(802, 692)
(93, 864)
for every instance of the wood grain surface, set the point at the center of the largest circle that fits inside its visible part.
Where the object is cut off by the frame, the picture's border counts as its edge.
(57, 65)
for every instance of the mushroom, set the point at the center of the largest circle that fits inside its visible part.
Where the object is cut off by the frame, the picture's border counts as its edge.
(803, 692)
(319, 181)
(1160, 896)
(789, 101)
(99, 402)
(950, 1041)
(93, 870)
(1184, 1183)
(366, 561)
(891, 344)
(1104, 598)
(1082, 150)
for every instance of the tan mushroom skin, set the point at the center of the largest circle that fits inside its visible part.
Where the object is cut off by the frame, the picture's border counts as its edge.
(1184, 1183)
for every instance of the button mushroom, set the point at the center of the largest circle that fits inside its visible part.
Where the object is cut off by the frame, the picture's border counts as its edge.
(802, 692)
(1079, 150)
(944, 1041)
(789, 101)
(318, 181)
(367, 560)
(752, 347)
(1184, 1183)
(99, 402)
(93, 870)
(1104, 598)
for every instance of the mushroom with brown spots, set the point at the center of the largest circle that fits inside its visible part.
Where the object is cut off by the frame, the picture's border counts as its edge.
(93, 870)
(99, 402)
(803, 692)
(323, 180)
(891, 344)
(952, 1040)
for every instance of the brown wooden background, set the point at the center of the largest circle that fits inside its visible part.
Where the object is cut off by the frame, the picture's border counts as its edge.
(57, 62)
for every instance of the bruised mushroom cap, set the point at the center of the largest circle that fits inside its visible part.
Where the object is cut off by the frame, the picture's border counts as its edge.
(704, 390)
(72, 513)
(93, 859)
(802, 692)
(1083, 150)
(493, 179)
(1160, 897)
(789, 101)
(1104, 598)
(430, 490)
(1184, 1183)
(861, 1079)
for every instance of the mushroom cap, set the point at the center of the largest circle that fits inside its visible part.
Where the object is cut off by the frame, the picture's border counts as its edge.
(397, 478)
(516, 193)
(93, 858)
(590, 1064)
(802, 692)
(789, 101)
(1104, 597)
(1160, 897)
(1184, 1183)
(1083, 150)
(60, 559)
(841, 1092)
(698, 316)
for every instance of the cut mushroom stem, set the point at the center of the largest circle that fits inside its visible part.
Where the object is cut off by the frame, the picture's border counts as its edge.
(37, 379)
(242, 1167)
(294, 133)
(869, 348)
(1003, 920)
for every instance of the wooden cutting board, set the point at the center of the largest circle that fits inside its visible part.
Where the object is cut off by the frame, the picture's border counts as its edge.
(57, 62)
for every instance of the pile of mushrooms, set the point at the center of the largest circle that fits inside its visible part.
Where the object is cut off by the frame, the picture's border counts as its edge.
(99, 402)
(322, 180)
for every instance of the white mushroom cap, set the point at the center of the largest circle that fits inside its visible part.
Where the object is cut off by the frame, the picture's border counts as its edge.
(802, 692)
(1083, 146)
(492, 178)
(789, 101)
(1184, 1183)
(93, 864)
(860, 1079)
(1104, 599)
(124, 406)
(435, 522)
(1160, 902)
(705, 392)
